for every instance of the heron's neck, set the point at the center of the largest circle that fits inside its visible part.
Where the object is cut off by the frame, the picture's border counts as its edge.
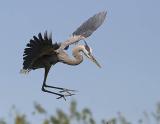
(78, 58)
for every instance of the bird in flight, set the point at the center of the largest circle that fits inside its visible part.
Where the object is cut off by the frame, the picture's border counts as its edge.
(41, 52)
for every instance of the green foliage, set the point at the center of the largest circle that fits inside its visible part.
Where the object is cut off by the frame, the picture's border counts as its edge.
(156, 114)
(39, 108)
(2, 121)
(74, 116)
(122, 119)
(20, 119)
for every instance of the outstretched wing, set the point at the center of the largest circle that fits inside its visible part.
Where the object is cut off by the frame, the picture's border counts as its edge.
(36, 48)
(89, 26)
(86, 29)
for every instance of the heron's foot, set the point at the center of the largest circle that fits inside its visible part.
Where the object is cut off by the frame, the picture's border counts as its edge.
(61, 94)
(59, 91)
(65, 95)
(68, 91)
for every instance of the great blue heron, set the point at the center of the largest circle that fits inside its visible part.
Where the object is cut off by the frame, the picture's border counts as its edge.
(42, 53)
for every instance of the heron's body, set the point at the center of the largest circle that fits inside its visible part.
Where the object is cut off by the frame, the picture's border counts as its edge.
(45, 55)
(42, 53)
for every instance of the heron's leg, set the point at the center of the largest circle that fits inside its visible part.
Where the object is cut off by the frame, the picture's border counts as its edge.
(59, 94)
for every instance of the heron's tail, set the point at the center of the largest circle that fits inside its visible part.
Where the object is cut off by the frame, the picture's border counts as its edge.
(37, 48)
(24, 71)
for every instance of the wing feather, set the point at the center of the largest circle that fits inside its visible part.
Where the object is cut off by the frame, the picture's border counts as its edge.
(85, 30)
(89, 26)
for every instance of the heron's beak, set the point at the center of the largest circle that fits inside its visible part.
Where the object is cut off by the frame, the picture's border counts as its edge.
(92, 58)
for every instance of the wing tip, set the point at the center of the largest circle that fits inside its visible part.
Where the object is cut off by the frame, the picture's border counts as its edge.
(103, 13)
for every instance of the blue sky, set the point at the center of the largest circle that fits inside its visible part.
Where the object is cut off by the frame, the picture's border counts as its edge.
(126, 45)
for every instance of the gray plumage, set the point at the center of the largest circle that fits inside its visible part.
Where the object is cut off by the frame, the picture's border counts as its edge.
(41, 52)
(85, 30)
(89, 26)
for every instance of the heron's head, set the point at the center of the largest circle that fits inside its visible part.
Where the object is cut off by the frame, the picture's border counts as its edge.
(88, 53)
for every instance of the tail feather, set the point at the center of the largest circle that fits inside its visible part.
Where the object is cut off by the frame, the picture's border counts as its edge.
(24, 71)
(37, 47)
